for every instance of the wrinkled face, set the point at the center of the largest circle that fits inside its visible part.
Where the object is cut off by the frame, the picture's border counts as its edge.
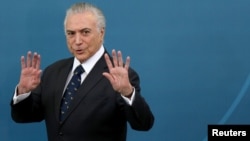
(83, 36)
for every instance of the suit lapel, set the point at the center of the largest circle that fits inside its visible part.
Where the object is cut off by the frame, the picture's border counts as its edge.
(89, 83)
(62, 77)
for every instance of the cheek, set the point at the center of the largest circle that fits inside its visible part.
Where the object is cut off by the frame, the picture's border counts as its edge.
(69, 41)
(69, 44)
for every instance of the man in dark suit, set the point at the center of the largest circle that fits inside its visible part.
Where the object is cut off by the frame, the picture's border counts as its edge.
(108, 96)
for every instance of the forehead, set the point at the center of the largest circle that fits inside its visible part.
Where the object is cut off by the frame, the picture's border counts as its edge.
(80, 20)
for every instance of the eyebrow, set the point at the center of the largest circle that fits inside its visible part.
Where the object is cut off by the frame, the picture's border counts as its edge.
(68, 30)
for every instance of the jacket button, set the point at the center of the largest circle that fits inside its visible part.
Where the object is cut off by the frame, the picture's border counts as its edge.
(60, 134)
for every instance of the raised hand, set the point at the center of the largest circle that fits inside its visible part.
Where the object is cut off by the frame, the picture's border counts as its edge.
(118, 73)
(30, 73)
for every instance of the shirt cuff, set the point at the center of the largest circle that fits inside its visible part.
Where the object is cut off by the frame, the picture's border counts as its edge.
(130, 100)
(21, 97)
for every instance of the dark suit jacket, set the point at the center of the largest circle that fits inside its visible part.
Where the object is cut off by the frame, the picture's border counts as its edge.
(98, 113)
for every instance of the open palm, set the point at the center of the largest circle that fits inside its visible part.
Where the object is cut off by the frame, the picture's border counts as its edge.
(30, 73)
(118, 73)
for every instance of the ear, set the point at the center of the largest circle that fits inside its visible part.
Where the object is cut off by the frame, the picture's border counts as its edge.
(102, 32)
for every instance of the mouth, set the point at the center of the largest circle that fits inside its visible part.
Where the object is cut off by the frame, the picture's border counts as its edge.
(79, 51)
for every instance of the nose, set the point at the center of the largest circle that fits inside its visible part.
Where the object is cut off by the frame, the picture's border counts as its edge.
(78, 38)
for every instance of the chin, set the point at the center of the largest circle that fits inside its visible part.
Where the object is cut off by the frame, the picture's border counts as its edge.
(81, 59)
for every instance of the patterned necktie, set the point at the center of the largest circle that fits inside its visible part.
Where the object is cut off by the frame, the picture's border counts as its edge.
(71, 90)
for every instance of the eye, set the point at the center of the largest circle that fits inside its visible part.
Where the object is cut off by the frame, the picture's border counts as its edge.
(70, 33)
(85, 32)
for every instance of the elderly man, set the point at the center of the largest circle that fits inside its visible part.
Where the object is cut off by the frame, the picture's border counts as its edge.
(88, 97)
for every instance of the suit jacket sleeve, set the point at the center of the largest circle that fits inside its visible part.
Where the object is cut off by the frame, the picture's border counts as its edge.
(138, 114)
(29, 109)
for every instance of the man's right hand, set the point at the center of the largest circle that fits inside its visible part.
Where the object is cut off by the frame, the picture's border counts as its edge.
(30, 73)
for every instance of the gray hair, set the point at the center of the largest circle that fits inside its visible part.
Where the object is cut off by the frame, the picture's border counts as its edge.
(86, 7)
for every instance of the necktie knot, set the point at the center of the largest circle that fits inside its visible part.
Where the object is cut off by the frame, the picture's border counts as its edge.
(79, 70)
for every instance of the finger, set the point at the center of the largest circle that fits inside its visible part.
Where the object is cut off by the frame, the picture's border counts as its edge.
(114, 58)
(127, 63)
(28, 62)
(34, 60)
(109, 77)
(23, 65)
(38, 63)
(108, 62)
(38, 74)
(120, 61)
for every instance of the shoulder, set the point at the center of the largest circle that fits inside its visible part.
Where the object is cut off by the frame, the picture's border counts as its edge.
(60, 64)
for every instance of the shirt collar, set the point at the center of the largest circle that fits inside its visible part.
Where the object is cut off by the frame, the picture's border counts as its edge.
(89, 64)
